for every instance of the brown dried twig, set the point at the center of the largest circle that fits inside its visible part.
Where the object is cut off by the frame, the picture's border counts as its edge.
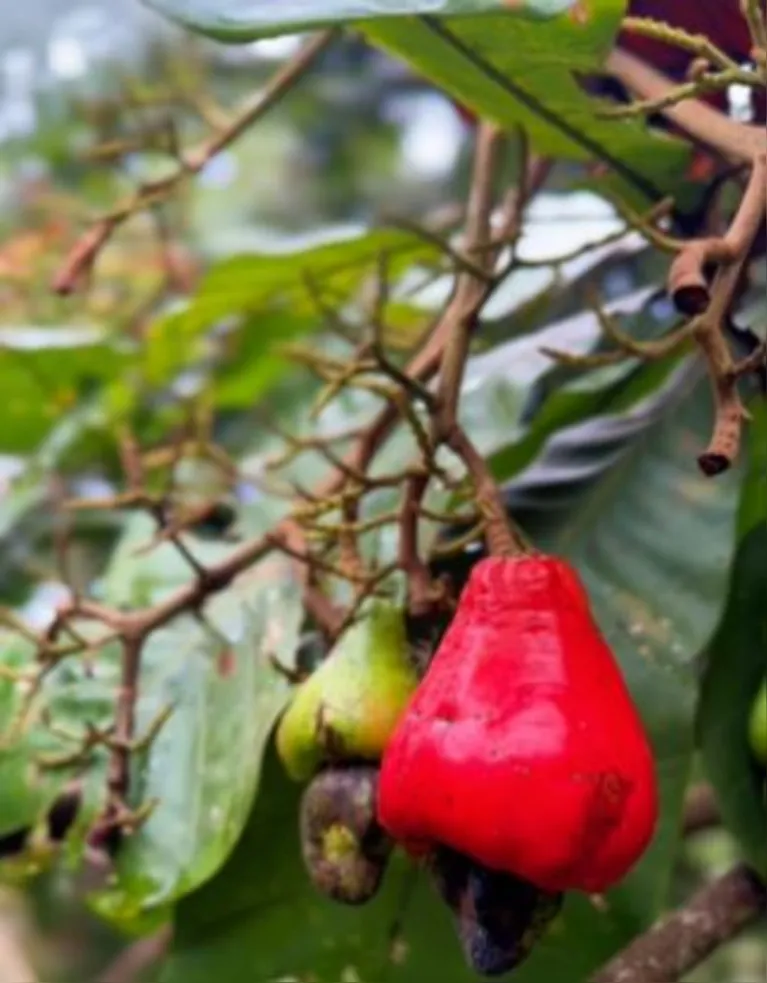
(687, 282)
(470, 294)
(83, 254)
(705, 125)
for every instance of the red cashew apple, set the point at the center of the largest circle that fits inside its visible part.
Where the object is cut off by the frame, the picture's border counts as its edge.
(522, 747)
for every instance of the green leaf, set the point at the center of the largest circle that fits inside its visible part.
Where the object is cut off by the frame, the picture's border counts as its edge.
(21, 496)
(252, 365)
(244, 924)
(222, 692)
(41, 725)
(228, 21)
(278, 285)
(522, 73)
(45, 372)
(517, 70)
(736, 667)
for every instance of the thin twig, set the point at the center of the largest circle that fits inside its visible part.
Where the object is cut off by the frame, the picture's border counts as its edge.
(125, 716)
(83, 254)
(136, 958)
(735, 141)
(417, 572)
(687, 281)
(470, 293)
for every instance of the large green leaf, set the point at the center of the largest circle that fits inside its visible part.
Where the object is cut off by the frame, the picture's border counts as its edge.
(518, 70)
(202, 770)
(736, 667)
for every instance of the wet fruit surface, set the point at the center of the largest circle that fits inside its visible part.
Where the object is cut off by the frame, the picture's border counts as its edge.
(522, 747)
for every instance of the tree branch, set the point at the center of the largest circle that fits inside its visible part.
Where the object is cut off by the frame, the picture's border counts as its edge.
(137, 957)
(680, 941)
(737, 142)
(470, 288)
(14, 963)
(84, 252)
(687, 281)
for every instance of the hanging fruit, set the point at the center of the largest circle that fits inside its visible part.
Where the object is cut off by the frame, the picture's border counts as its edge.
(347, 709)
(522, 747)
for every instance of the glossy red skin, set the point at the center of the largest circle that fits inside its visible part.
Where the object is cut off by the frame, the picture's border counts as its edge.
(522, 747)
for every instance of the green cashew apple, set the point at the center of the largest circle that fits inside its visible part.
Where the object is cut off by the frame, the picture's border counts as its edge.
(344, 849)
(347, 709)
(757, 725)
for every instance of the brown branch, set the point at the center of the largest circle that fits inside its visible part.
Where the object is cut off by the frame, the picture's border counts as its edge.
(502, 537)
(755, 362)
(736, 141)
(724, 445)
(687, 281)
(327, 616)
(470, 288)
(192, 595)
(470, 294)
(682, 940)
(83, 254)
(79, 261)
(134, 960)
(425, 364)
(125, 716)
(417, 572)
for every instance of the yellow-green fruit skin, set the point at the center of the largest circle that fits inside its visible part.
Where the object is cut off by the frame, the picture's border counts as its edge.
(349, 706)
(757, 730)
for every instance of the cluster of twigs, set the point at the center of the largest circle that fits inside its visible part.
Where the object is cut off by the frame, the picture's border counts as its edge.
(322, 531)
(706, 273)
